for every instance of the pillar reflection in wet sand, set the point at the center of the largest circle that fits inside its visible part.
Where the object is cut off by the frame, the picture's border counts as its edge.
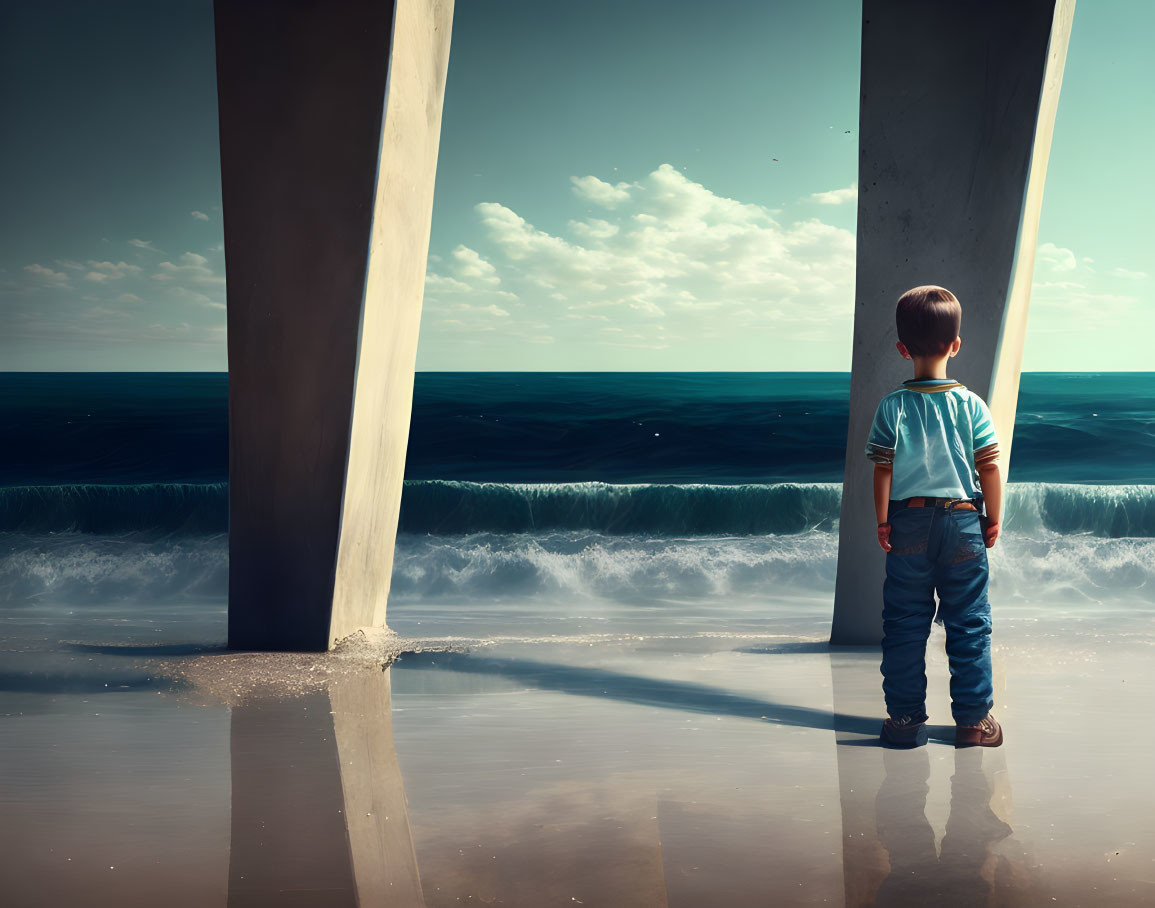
(376, 812)
(319, 815)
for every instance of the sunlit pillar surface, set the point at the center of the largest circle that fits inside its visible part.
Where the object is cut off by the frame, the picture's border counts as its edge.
(330, 118)
(958, 105)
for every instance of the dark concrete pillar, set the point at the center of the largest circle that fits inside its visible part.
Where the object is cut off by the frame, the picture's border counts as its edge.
(330, 116)
(957, 109)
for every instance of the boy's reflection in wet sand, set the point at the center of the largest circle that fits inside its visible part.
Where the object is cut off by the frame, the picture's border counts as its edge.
(918, 872)
(889, 856)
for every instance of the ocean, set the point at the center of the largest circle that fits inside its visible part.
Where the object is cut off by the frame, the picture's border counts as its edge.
(563, 502)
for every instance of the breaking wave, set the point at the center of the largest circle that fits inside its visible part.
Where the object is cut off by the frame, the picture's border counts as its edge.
(448, 507)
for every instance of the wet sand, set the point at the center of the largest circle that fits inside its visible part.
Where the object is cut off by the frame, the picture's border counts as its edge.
(624, 769)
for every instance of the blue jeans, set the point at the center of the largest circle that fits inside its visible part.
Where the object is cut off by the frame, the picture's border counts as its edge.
(936, 548)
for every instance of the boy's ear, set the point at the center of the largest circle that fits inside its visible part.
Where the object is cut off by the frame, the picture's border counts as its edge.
(902, 349)
(955, 345)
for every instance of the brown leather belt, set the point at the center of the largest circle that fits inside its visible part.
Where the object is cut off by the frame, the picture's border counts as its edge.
(919, 502)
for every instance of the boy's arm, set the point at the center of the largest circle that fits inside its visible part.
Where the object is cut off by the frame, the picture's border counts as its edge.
(880, 448)
(991, 483)
(986, 452)
(883, 474)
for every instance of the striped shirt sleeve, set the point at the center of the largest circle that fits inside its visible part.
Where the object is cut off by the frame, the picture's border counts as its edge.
(985, 443)
(883, 436)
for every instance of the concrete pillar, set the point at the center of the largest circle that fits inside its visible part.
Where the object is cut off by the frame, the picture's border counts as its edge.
(957, 109)
(330, 117)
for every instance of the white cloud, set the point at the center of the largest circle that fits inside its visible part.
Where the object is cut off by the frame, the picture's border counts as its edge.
(193, 269)
(99, 324)
(1078, 307)
(439, 283)
(594, 229)
(491, 309)
(145, 244)
(195, 296)
(591, 189)
(443, 286)
(1056, 257)
(102, 309)
(192, 280)
(472, 303)
(836, 196)
(674, 255)
(471, 266)
(199, 216)
(108, 271)
(48, 276)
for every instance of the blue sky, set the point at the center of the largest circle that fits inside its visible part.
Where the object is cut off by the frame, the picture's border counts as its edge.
(607, 191)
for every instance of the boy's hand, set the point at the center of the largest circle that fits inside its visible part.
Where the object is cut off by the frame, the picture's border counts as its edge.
(990, 530)
(884, 536)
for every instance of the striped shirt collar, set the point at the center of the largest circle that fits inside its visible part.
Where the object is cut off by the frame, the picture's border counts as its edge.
(931, 384)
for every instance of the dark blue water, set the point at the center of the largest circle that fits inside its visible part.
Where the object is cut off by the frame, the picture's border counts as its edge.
(706, 427)
(560, 487)
(109, 452)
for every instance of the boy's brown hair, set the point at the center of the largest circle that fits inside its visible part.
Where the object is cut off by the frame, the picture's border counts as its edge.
(928, 319)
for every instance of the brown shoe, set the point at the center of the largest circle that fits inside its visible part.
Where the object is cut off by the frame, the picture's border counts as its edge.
(908, 731)
(988, 733)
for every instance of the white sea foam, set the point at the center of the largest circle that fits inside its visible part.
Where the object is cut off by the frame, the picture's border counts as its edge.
(477, 569)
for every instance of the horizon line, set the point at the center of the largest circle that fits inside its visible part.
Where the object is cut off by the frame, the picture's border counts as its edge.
(562, 372)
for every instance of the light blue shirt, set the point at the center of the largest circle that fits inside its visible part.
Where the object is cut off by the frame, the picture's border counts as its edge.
(929, 430)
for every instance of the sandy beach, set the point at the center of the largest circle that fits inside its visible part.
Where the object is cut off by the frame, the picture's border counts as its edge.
(723, 768)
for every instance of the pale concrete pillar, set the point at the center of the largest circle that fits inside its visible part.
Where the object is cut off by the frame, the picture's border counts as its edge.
(957, 109)
(330, 117)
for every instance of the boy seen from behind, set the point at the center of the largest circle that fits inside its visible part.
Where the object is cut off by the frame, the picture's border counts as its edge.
(935, 460)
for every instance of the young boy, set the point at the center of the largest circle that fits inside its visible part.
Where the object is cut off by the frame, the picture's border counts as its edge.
(931, 441)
